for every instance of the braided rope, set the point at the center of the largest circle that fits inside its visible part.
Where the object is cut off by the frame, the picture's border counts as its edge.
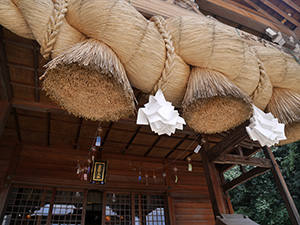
(262, 78)
(55, 22)
(170, 54)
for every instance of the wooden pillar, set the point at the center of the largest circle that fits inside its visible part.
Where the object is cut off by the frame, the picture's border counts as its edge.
(3, 196)
(288, 201)
(216, 193)
(169, 197)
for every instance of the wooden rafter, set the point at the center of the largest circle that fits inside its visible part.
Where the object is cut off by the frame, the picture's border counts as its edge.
(5, 108)
(6, 93)
(292, 5)
(17, 124)
(36, 73)
(131, 140)
(76, 146)
(245, 177)
(234, 13)
(244, 160)
(150, 149)
(186, 136)
(259, 9)
(280, 12)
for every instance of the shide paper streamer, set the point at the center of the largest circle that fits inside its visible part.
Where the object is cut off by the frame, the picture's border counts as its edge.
(161, 115)
(264, 128)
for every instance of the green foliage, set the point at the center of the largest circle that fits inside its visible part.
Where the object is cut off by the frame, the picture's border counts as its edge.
(259, 198)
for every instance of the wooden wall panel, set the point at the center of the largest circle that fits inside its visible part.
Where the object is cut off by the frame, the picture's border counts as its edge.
(39, 165)
(6, 152)
(193, 211)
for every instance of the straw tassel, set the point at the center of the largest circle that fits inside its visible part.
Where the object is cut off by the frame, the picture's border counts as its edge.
(87, 80)
(212, 103)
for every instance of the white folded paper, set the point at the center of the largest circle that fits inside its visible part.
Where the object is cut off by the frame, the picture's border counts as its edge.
(264, 128)
(160, 114)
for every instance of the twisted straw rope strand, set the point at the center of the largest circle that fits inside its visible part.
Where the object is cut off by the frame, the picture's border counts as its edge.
(170, 54)
(53, 26)
(263, 77)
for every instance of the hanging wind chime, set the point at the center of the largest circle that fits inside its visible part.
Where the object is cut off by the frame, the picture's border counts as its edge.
(92, 169)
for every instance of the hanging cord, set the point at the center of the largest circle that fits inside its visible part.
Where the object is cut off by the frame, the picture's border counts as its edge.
(97, 131)
(53, 26)
(188, 148)
(170, 54)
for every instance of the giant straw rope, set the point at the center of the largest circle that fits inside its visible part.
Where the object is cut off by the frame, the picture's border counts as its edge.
(215, 94)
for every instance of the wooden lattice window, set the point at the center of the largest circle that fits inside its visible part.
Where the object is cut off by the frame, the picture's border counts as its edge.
(38, 206)
(135, 208)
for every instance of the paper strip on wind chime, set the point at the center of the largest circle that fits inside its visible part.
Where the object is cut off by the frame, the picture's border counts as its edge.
(99, 172)
(264, 128)
(161, 115)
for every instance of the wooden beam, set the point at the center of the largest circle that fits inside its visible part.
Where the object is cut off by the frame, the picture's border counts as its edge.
(36, 49)
(6, 93)
(223, 168)
(245, 177)
(155, 142)
(292, 5)
(179, 143)
(280, 12)
(245, 18)
(5, 108)
(216, 194)
(228, 143)
(37, 106)
(17, 124)
(284, 191)
(259, 9)
(162, 8)
(244, 160)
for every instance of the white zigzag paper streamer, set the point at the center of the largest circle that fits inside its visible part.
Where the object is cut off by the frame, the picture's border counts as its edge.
(264, 128)
(160, 114)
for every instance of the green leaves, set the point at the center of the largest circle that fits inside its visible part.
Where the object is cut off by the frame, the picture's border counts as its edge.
(259, 198)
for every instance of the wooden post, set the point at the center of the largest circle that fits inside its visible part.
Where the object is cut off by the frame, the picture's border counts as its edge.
(3, 199)
(216, 193)
(289, 203)
(169, 197)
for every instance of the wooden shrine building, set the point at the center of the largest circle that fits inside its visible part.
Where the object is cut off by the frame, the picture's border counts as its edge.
(148, 181)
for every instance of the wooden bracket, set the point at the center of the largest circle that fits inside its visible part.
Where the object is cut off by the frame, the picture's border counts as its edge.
(244, 160)
(228, 143)
(245, 177)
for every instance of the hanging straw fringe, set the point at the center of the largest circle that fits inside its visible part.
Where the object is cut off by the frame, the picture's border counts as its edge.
(170, 56)
(88, 80)
(55, 22)
(285, 105)
(212, 103)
